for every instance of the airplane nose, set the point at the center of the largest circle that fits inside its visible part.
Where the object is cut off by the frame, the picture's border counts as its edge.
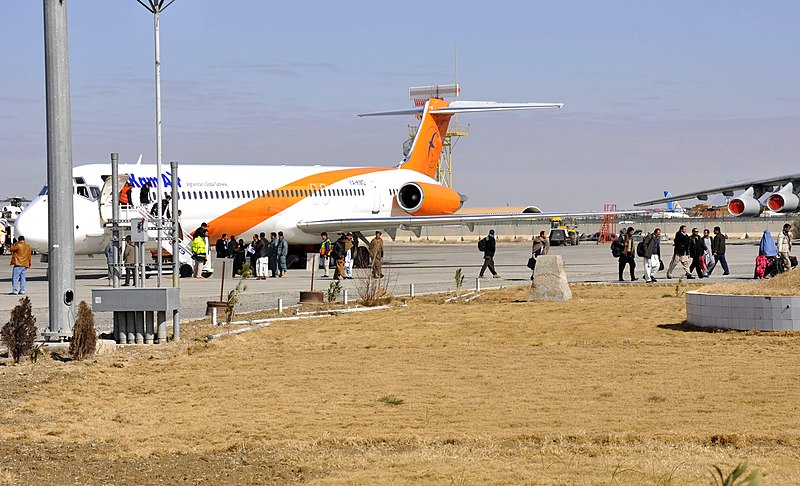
(32, 224)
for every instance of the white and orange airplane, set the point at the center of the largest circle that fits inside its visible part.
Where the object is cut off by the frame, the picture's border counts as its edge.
(300, 201)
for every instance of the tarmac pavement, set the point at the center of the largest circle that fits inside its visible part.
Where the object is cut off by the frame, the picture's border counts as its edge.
(429, 266)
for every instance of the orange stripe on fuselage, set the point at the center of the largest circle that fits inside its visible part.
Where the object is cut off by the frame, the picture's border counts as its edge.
(252, 213)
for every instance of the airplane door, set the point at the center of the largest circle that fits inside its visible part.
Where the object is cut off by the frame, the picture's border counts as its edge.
(106, 200)
(376, 198)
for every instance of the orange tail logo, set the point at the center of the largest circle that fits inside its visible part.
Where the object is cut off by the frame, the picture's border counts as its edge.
(427, 147)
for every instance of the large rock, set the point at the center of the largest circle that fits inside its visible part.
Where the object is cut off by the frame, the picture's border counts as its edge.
(550, 279)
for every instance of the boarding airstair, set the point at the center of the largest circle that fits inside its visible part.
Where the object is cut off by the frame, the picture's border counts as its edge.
(131, 214)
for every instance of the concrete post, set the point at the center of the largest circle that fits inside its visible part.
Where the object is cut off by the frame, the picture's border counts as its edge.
(280, 306)
(176, 261)
(411, 290)
(345, 298)
(115, 240)
(149, 328)
(477, 284)
(60, 225)
(162, 326)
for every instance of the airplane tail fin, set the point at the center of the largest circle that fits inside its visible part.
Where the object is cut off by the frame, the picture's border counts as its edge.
(435, 113)
(673, 206)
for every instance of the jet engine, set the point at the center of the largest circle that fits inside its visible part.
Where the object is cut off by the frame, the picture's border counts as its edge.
(784, 201)
(424, 199)
(745, 204)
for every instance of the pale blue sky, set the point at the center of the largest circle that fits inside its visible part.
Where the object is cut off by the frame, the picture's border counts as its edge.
(658, 95)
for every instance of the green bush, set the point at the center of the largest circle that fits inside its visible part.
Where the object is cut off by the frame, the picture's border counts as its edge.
(19, 333)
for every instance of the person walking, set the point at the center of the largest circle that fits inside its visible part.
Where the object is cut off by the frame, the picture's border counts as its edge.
(282, 253)
(129, 259)
(488, 246)
(541, 246)
(696, 252)
(708, 256)
(324, 253)
(784, 244)
(718, 250)
(20, 263)
(144, 195)
(680, 253)
(199, 252)
(628, 255)
(652, 255)
(376, 253)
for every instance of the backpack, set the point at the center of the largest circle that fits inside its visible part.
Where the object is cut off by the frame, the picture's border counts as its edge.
(482, 244)
(640, 249)
(616, 247)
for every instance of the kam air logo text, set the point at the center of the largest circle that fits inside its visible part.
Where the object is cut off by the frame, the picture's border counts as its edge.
(166, 180)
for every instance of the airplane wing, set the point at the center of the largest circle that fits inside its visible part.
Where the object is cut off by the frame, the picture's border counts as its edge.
(760, 186)
(415, 223)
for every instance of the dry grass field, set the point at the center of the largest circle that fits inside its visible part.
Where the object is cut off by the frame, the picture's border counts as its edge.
(608, 388)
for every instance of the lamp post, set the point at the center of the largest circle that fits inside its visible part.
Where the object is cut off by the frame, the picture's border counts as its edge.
(156, 7)
(60, 220)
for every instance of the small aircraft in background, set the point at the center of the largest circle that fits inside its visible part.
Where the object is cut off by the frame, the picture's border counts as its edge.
(674, 210)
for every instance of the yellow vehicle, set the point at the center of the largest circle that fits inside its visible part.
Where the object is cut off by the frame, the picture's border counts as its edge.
(561, 233)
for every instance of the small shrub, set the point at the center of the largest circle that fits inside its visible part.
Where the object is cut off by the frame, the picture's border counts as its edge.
(373, 291)
(391, 400)
(84, 336)
(233, 295)
(735, 477)
(20, 332)
(334, 290)
(37, 351)
(459, 279)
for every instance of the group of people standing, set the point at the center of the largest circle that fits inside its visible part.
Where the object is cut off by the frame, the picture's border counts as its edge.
(342, 254)
(267, 257)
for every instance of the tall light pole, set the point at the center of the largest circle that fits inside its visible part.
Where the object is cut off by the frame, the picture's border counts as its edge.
(60, 224)
(156, 7)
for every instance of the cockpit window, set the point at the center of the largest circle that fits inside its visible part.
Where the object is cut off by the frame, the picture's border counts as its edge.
(43, 192)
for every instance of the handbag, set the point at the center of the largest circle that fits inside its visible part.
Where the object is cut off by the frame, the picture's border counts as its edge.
(660, 264)
(531, 262)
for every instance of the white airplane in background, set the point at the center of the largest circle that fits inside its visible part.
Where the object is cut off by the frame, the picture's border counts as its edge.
(674, 210)
(779, 194)
(300, 201)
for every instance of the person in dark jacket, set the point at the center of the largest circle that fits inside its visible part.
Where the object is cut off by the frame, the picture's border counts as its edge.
(490, 245)
(718, 250)
(696, 252)
(337, 254)
(250, 251)
(238, 258)
(233, 245)
(681, 253)
(221, 246)
(628, 255)
(144, 194)
(652, 248)
(272, 254)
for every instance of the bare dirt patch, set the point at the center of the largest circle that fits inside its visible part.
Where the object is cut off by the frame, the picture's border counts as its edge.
(608, 387)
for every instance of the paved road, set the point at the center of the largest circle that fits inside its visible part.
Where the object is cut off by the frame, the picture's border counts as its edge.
(430, 267)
